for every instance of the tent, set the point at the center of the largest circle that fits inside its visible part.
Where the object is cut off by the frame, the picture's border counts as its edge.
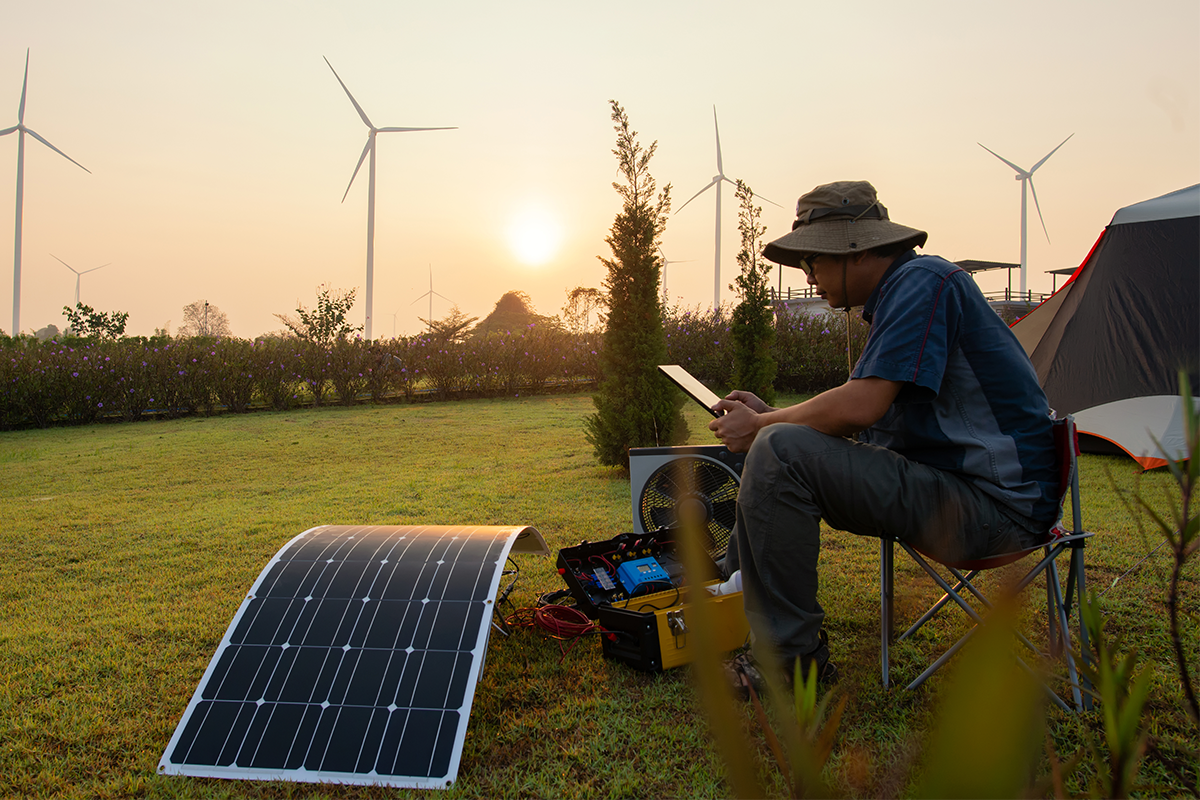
(1108, 345)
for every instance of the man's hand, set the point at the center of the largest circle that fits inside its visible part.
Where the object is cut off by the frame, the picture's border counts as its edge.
(739, 425)
(751, 400)
(841, 411)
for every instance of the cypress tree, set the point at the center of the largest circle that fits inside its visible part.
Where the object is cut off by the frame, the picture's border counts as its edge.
(753, 329)
(635, 405)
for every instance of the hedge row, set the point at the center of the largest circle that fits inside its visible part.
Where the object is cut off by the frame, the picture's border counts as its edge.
(80, 381)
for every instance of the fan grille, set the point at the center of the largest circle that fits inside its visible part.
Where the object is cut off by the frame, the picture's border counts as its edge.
(692, 488)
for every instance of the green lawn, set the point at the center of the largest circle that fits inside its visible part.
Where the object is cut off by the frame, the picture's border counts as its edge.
(128, 548)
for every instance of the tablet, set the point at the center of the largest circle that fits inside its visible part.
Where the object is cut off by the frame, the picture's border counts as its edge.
(692, 387)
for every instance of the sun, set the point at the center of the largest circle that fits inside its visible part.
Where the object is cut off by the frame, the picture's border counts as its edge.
(534, 235)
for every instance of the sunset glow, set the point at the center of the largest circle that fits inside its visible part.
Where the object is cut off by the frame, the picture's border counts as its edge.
(534, 236)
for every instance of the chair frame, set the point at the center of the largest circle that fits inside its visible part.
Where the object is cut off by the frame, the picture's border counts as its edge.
(1058, 603)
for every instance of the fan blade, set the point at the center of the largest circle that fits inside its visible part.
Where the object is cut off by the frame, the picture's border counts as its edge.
(711, 184)
(1002, 158)
(357, 107)
(659, 518)
(1033, 169)
(358, 166)
(727, 493)
(35, 135)
(408, 130)
(653, 495)
(24, 86)
(1033, 189)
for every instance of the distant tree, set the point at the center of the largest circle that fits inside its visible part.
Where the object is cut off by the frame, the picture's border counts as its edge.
(201, 318)
(513, 312)
(327, 322)
(49, 332)
(581, 302)
(454, 327)
(635, 404)
(85, 321)
(754, 364)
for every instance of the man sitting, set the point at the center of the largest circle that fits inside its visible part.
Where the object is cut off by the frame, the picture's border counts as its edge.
(953, 451)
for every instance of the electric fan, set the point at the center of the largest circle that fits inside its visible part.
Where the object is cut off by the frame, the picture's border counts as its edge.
(675, 485)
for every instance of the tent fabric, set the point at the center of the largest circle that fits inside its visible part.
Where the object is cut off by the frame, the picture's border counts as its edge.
(1150, 429)
(1125, 323)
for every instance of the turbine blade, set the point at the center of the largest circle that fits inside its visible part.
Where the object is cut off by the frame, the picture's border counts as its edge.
(65, 264)
(358, 166)
(24, 86)
(419, 299)
(439, 294)
(1033, 169)
(93, 269)
(7, 131)
(1033, 189)
(1002, 158)
(753, 193)
(357, 107)
(407, 130)
(711, 184)
(720, 169)
(35, 135)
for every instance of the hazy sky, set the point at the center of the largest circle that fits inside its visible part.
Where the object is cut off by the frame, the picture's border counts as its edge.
(220, 143)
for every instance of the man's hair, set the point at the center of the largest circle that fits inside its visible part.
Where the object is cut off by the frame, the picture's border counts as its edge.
(891, 250)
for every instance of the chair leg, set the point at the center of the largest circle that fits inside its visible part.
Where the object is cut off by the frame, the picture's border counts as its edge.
(1053, 639)
(886, 593)
(1061, 617)
(1085, 647)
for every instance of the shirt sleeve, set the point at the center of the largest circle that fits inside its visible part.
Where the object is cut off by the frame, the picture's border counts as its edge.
(913, 330)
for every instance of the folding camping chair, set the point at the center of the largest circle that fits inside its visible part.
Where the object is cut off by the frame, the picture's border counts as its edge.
(1058, 605)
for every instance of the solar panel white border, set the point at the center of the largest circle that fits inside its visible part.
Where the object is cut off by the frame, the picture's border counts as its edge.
(525, 538)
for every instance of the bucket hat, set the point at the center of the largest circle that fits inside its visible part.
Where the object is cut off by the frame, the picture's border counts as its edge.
(838, 219)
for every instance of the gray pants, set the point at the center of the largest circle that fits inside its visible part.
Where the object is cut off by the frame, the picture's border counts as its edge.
(795, 476)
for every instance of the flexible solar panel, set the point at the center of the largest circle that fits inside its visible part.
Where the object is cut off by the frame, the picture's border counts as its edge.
(353, 659)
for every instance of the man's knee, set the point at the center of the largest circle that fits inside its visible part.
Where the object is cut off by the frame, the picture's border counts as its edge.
(785, 442)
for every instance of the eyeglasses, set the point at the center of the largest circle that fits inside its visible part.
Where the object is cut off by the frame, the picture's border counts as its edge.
(806, 263)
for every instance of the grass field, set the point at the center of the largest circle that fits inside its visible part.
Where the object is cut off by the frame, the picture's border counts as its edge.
(128, 548)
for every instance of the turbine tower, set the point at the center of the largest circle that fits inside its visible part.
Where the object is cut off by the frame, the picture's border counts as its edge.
(21, 131)
(665, 262)
(369, 147)
(430, 294)
(716, 181)
(1026, 179)
(78, 274)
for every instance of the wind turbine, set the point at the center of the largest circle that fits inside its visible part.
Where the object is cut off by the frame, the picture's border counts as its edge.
(665, 262)
(1026, 179)
(369, 147)
(21, 131)
(716, 181)
(430, 295)
(78, 274)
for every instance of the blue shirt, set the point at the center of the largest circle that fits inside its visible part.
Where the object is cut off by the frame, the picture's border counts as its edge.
(970, 403)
